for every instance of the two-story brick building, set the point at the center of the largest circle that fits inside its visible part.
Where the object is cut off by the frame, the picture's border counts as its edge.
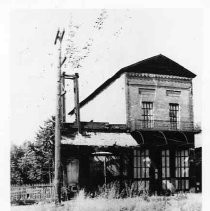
(136, 127)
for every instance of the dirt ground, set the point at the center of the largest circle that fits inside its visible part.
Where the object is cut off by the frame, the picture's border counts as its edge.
(192, 202)
(43, 207)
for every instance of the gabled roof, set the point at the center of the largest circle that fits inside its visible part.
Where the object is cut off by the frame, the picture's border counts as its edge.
(160, 65)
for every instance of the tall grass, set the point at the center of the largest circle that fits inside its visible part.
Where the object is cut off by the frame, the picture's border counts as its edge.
(112, 198)
(183, 202)
(115, 191)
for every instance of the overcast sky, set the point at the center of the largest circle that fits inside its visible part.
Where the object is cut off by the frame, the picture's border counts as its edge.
(124, 37)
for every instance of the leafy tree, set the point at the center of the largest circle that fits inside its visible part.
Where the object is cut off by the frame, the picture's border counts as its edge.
(33, 162)
(16, 173)
(43, 151)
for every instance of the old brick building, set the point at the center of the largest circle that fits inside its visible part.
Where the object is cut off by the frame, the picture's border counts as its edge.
(136, 127)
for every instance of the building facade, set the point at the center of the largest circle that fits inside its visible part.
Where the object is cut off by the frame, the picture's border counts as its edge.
(152, 148)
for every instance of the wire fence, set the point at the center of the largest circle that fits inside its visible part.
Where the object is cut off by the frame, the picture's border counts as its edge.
(36, 192)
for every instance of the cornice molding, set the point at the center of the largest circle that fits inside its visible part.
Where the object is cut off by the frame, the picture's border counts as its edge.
(149, 75)
(155, 86)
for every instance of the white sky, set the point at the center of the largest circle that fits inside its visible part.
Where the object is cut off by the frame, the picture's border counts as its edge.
(24, 127)
(127, 36)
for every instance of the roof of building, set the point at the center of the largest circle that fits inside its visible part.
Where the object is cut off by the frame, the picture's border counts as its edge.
(101, 139)
(160, 65)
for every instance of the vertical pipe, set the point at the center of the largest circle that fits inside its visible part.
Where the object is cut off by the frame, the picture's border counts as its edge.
(105, 170)
(180, 168)
(57, 133)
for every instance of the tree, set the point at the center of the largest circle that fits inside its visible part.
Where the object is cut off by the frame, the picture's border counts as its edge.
(43, 150)
(34, 162)
(16, 154)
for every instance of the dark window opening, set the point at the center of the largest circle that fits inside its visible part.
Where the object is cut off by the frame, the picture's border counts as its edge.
(165, 161)
(148, 121)
(104, 169)
(182, 170)
(174, 115)
(141, 168)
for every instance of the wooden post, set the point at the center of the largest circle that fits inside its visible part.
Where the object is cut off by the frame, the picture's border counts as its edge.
(76, 98)
(57, 134)
(63, 99)
(59, 37)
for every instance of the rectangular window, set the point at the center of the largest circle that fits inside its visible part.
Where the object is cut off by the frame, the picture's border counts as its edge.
(147, 114)
(165, 164)
(182, 169)
(173, 93)
(165, 157)
(174, 115)
(104, 168)
(141, 166)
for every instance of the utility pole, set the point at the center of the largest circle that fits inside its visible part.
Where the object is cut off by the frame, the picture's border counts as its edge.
(60, 114)
(59, 37)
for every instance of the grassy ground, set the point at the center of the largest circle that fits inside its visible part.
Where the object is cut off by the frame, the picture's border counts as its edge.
(181, 202)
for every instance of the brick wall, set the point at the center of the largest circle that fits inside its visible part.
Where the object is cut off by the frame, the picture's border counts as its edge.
(161, 90)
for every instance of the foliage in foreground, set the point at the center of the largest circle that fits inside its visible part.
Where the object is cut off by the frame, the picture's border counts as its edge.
(110, 200)
(189, 202)
(180, 202)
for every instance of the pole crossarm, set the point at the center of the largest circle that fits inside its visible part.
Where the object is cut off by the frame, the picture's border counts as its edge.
(59, 36)
(64, 59)
(72, 77)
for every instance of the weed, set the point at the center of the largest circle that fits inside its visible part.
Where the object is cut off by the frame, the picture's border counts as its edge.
(112, 198)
